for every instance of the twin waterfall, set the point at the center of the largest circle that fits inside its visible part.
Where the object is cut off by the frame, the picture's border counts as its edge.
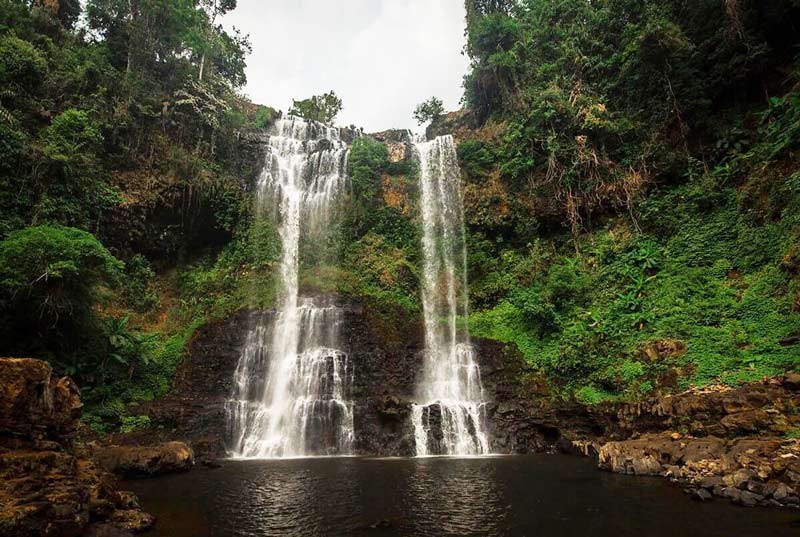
(292, 394)
(450, 420)
(292, 385)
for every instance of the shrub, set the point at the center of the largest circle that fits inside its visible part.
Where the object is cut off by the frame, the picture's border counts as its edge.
(49, 271)
(20, 62)
(138, 279)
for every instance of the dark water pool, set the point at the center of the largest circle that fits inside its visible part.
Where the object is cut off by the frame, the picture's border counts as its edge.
(540, 496)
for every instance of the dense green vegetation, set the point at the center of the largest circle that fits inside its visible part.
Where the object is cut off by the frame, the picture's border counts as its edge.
(121, 177)
(633, 189)
(380, 242)
(429, 111)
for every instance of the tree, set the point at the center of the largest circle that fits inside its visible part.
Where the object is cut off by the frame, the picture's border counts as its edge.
(66, 11)
(69, 178)
(323, 108)
(428, 111)
(211, 40)
(486, 7)
(151, 36)
(47, 272)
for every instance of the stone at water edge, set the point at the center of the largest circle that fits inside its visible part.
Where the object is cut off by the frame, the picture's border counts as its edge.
(701, 495)
(748, 471)
(145, 461)
(34, 404)
(133, 520)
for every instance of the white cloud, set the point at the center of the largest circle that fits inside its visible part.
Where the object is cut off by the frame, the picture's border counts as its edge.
(382, 57)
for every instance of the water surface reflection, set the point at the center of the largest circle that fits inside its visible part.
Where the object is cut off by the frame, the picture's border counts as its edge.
(538, 496)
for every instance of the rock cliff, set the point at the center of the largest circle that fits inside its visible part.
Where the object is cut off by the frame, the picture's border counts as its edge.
(48, 485)
(385, 345)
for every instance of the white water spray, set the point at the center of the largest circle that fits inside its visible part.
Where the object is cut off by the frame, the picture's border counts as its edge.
(291, 395)
(450, 418)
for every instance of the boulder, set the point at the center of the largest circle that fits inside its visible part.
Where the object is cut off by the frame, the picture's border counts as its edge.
(792, 381)
(748, 471)
(145, 461)
(33, 404)
(702, 495)
(133, 520)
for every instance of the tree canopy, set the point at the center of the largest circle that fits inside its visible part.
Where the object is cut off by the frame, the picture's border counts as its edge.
(428, 111)
(323, 108)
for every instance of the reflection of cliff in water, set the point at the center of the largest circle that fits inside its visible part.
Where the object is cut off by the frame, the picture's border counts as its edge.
(541, 495)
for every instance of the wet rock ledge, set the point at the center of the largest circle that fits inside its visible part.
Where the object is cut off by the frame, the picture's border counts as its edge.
(726, 442)
(385, 346)
(48, 485)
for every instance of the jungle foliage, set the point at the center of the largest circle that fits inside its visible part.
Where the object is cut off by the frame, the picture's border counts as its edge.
(429, 110)
(323, 108)
(632, 191)
(121, 181)
(632, 196)
(380, 239)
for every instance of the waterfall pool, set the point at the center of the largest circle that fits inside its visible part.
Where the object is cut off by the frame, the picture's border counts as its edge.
(536, 495)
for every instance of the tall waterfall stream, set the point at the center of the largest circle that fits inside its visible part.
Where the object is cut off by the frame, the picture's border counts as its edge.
(292, 386)
(450, 419)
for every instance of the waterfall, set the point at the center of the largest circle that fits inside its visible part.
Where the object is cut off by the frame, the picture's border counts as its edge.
(292, 385)
(450, 418)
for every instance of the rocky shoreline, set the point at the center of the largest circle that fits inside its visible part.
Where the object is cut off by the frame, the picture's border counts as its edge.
(725, 442)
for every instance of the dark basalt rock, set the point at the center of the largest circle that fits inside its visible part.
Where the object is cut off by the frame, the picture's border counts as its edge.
(193, 410)
(385, 346)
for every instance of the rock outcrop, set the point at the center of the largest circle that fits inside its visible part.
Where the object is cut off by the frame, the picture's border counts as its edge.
(762, 408)
(727, 442)
(749, 471)
(145, 461)
(194, 409)
(48, 486)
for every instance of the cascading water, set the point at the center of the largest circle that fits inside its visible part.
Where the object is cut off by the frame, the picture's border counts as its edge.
(450, 419)
(291, 395)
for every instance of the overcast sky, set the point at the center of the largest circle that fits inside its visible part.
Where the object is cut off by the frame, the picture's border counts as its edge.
(382, 57)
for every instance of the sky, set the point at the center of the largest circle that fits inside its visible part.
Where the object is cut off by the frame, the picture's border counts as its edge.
(382, 57)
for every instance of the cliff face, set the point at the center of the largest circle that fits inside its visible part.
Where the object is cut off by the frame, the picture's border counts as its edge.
(48, 486)
(726, 442)
(385, 345)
